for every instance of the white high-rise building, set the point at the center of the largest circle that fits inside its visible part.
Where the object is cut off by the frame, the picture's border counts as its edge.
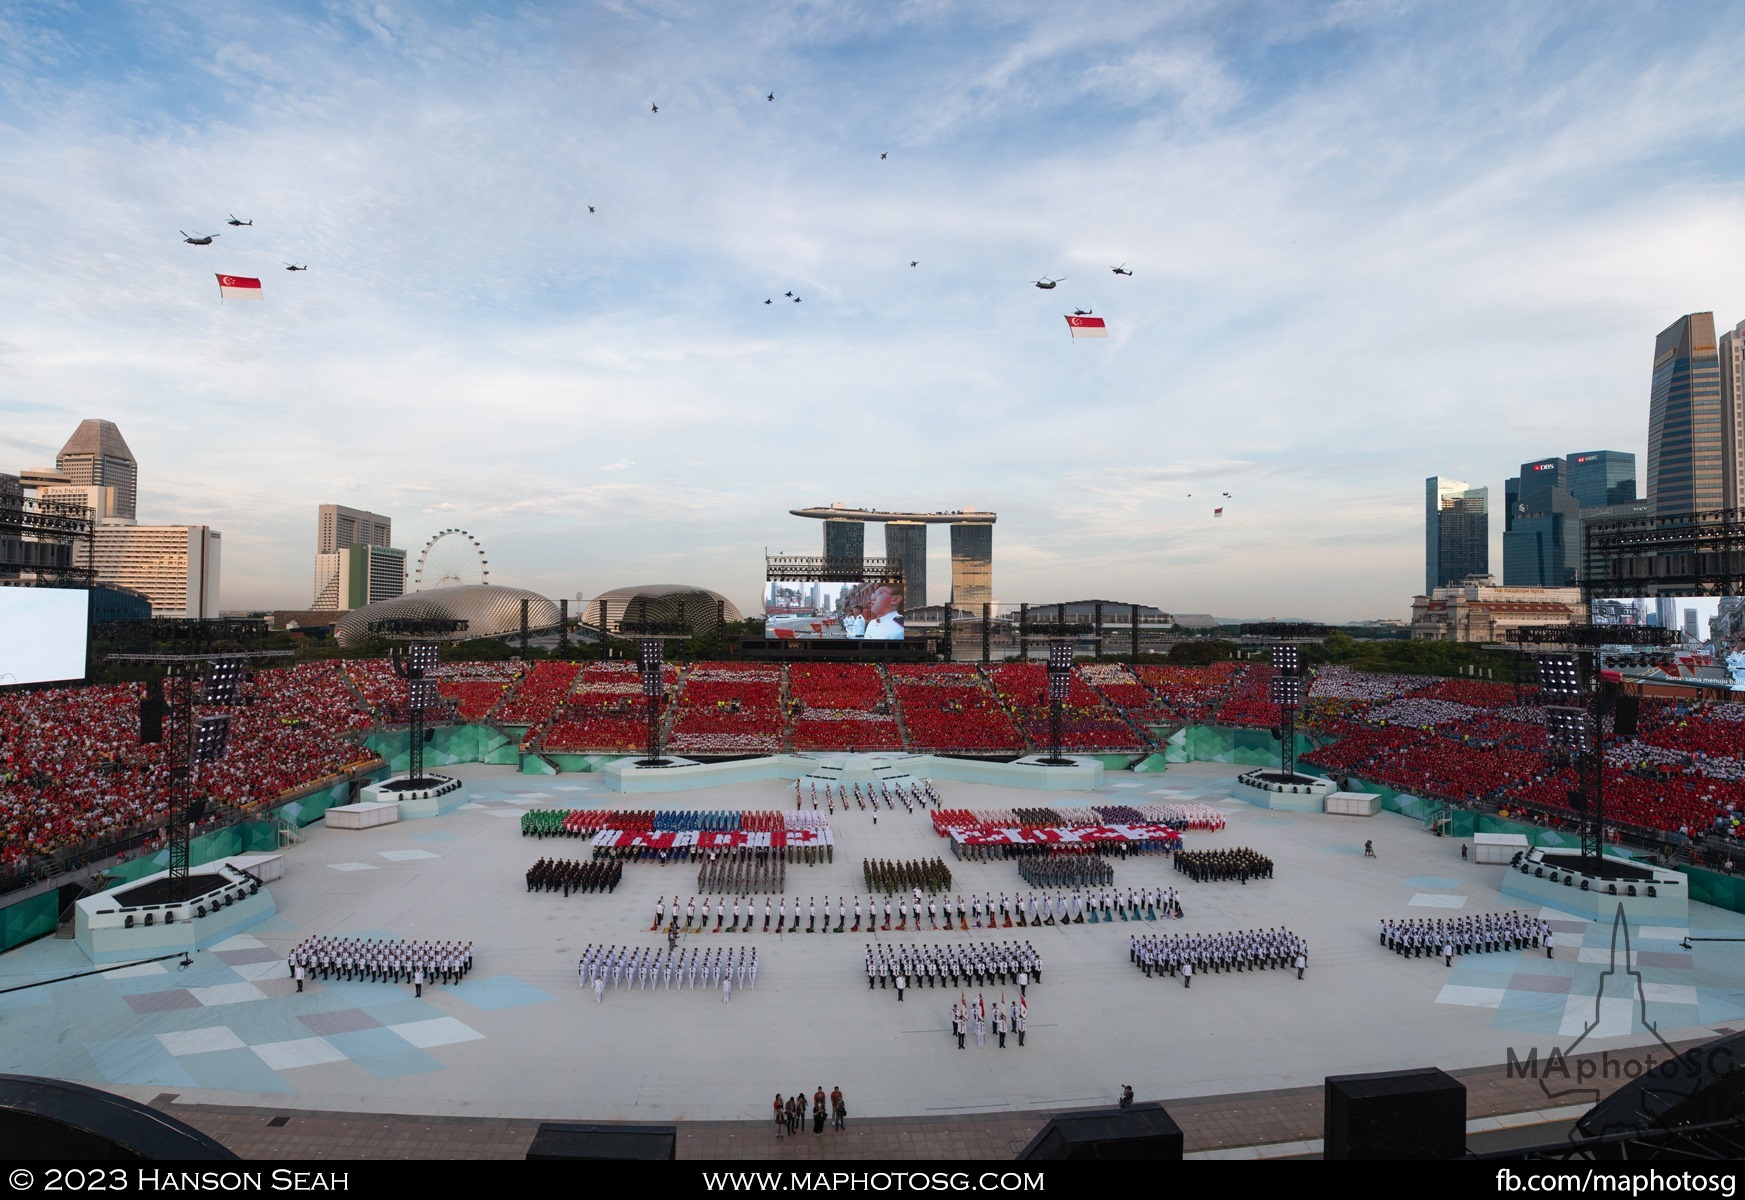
(177, 566)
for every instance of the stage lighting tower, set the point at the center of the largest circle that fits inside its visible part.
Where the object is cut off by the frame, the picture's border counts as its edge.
(1059, 687)
(418, 663)
(652, 660)
(1287, 691)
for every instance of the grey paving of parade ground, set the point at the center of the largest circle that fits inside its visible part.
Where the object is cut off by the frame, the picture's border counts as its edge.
(518, 1041)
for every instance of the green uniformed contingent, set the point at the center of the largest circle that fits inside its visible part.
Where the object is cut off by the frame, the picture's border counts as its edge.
(927, 874)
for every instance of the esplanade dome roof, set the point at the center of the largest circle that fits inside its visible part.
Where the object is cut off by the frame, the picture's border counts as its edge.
(489, 609)
(664, 601)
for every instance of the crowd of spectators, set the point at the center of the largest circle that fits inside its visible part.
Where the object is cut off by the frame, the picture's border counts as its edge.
(729, 708)
(950, 707)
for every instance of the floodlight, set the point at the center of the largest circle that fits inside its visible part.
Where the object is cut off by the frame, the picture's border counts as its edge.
(1560, 675)
(211, 736)
(1571, 727)
(424, 657)
(1287, 659)
(1287, 691)
(651, 653)
(1060, 656)
(423, 693)
(223, 677)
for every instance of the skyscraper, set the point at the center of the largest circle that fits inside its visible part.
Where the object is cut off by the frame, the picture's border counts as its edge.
(1732, 353)
(906, 543)
(845, 542)
(1601, 477)
(1456, 532)
(355, 564)
(1686, 437)
(338, 526)
(97, 456)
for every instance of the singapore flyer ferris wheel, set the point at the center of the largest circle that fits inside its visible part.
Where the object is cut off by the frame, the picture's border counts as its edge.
(452, 558)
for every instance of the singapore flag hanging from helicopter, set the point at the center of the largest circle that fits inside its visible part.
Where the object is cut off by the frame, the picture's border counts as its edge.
(1087, 327)
(238, 287)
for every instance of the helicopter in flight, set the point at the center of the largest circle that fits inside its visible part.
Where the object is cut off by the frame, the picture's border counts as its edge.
(291, 267)
(1121, 270)
(202, 240)
(1082, 312)
(1047, 284)
(233, 221)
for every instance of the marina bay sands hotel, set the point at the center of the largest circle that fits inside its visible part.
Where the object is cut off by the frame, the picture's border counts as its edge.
(972, 547)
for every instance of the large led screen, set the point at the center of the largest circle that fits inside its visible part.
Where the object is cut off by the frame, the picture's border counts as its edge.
(42, 634)
(866, 609)
(1696, 618)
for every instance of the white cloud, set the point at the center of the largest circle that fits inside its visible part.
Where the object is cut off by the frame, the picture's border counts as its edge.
(1370, 243)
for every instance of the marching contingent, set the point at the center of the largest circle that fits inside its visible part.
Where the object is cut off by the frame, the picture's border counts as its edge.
(1186, 953)
(1476, 933)
(1215, 866)
(568, 875)
(645, 968)
(952, 965)
(385, 962)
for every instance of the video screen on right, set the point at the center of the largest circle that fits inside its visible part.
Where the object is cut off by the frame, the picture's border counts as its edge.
(866, 609)
(1696, 619)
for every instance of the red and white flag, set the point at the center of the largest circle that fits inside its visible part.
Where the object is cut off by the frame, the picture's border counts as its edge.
(1217, 512)
(238, 287)
(1087, 327)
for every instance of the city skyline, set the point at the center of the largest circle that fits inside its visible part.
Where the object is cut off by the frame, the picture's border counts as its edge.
(1369, 244)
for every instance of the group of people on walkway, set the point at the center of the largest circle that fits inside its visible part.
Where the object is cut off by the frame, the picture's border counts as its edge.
(790, 1114)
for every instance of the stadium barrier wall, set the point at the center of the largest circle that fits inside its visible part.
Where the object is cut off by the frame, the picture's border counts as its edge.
(28, 919)
(1237, 745)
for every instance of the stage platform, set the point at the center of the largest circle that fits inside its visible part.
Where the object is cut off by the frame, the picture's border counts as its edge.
(444, 795)
(1563, 880)
(150, 918)
(1271, 788)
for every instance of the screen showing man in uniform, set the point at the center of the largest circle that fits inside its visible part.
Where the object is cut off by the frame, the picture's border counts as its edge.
(865, 609)
(42, 634)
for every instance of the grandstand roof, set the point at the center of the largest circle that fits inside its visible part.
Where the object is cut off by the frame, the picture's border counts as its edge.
(489, 609)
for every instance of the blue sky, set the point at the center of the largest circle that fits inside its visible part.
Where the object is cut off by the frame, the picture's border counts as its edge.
(1371, 242)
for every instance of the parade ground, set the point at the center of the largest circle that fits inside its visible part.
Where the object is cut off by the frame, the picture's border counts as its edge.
(518, 1040)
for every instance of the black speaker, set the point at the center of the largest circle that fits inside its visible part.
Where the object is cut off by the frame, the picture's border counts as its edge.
(1416, 1114)
(151, 713)
(1624, 717)
(1145, 1131)
(43, 1119)
(1706, 1083)
(637, 1143)
(196, 809)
